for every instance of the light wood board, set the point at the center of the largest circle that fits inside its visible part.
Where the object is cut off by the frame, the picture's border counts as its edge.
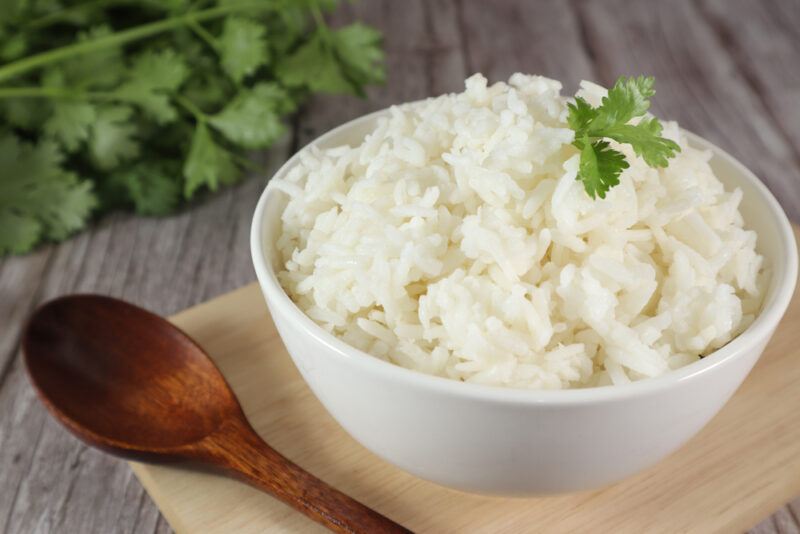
(740, 468)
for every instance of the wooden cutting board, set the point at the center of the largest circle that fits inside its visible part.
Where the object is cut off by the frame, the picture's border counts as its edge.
(739, 469)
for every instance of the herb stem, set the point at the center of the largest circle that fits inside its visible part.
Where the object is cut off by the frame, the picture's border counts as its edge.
(199, 115)
(204, 34)
(244, 161)
(35, 92)
(119, 38)
(319, 20)
(53, 92)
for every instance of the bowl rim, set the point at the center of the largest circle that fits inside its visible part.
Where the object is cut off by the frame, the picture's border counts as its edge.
(760, 330)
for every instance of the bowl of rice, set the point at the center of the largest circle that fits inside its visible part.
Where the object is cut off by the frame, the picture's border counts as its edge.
(466, 311)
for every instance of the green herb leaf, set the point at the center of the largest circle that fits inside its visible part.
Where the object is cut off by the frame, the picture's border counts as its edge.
(645, 138)
(629, 98)
(14, 46)
(358, 49)
(152, 106)
(242, 47)
(37, 198)
(151, 186)
(600, 165)
(112, 137)
(13, 9)
(252, 119)
(26, 113)
(313, 65)
(100, 70)
(70, 123)
(152, 77)
(18, 232)
(208, 164)
(206, 86)
(581, 113)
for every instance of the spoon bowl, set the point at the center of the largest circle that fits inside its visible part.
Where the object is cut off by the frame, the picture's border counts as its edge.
(172, 395)
(125, 380)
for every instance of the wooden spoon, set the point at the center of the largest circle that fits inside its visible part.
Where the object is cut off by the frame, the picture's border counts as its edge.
(126, 381)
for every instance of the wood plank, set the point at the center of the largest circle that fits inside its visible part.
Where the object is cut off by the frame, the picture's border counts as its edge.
(698, 82)
(794, 507)
(785, 522)
(724, 480)
(767, 526)
(786, 15)
(542, 37)
(51, 482)
(769, 65)
(20, 280)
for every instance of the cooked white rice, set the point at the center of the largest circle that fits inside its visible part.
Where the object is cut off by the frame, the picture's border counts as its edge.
(455, 240)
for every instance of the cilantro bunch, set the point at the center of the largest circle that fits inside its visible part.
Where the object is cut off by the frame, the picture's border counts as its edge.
(601, 165)
(141, 104)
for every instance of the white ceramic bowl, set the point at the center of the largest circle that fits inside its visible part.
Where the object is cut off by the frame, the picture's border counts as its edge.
(516, 442)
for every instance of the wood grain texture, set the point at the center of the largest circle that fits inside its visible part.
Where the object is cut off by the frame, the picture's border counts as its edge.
(769, 66)
(723, 480)
(127, 382)
(239, 450)
(51, 482)
(553, 45)
(724, 68)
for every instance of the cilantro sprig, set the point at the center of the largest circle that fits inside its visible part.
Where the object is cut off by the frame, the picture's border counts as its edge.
(143, 105)
(601, 165)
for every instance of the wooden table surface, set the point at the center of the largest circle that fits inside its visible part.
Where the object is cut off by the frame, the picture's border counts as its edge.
(725, 69)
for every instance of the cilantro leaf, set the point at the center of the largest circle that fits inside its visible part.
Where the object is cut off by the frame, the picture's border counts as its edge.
(151, 186)
(13, 9)
(242, 47)
(54, 77)
(629, 98)
(151, 118)
(600, 165)
(358, 49)
(14, 45)
(26, 113)
(111, 140)
(100, 70)
(164, 70)
(205, 86)
(38, 199)
(150, 80)
(252, 119)
(646, 140)
(580, 115)
(337, 62)
(18, 232)
(207, 164)
(313, 65)
(70, 123)
(278, 97)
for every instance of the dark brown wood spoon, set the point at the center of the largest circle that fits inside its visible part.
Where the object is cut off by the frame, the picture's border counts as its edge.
(127, 381)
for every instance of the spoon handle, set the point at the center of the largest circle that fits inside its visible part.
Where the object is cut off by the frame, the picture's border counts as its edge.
(238, 449)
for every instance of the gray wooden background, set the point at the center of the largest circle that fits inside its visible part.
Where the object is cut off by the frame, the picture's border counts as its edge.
(726, 69)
